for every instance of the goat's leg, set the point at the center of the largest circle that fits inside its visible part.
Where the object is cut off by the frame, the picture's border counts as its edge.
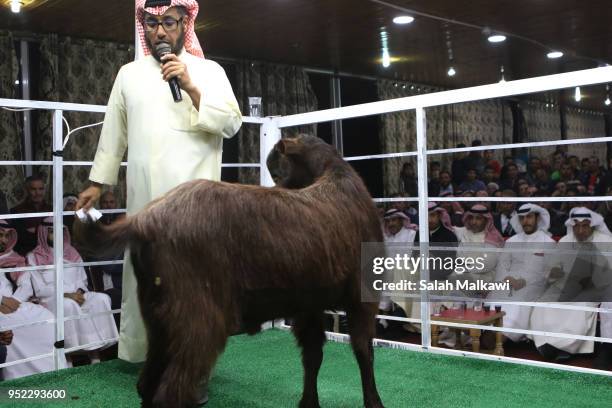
(361, 329)
(310, 334)
(193, 353)
(152, 370)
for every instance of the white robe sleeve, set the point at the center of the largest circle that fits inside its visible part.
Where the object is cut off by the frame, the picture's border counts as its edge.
(218, 113)
(113, 140)
(24, 288)
(41, 288)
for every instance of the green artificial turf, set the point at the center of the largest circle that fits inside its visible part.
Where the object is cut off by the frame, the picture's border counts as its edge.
(265, 371)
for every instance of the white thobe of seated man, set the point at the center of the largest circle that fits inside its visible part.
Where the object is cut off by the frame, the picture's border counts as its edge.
(28, 341)
(477, 235)
(78, 300)
(525, 266)
(399, 235)
(586, 231)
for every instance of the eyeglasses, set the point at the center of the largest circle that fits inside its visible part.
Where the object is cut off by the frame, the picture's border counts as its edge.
(169, 24)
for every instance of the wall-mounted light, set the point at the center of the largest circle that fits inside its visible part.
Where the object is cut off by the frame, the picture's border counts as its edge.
(451, 72)
(577, 94)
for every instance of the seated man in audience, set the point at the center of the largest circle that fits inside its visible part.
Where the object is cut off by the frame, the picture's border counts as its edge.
(78, 300)
(445, 186)
(585, 231)
(399, 234)
(526, 270)
(505, 212)
(111, 274)
(70, 201)
(472, 183)
(29, 341)
(440, 234)
(477, 234)
(33, 203)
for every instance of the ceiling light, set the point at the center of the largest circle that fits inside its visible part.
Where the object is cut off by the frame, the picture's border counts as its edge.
(578, 94)
(451, 72)
(497, 38)
(607, 101)
(15, 6)
(403, 19)
(554, 54)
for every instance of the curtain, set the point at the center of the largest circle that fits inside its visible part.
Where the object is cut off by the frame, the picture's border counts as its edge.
(11, 177)
(285, 90)
(582, 124)
(77, 71)
(490, 121)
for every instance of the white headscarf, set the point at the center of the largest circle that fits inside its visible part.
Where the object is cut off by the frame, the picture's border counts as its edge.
(578, 214)
(543, 217)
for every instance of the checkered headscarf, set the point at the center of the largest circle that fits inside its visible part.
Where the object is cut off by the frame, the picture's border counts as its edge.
(192, 45)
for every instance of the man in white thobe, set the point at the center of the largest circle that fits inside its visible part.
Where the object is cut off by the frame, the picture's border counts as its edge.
(169, 143)
(77, 301)
(477, 235)
(526, 267)
(586, 231)
(28, 341)
(399, 235)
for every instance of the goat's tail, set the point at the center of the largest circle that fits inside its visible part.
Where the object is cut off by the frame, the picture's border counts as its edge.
(96, 240)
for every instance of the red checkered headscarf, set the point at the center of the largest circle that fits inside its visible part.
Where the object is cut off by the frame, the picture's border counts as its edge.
(10, 258)
(192, 45)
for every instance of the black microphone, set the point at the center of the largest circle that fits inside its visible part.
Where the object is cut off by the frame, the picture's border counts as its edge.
(164, 49)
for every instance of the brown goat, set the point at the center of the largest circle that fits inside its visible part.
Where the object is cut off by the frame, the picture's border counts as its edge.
(210, 257)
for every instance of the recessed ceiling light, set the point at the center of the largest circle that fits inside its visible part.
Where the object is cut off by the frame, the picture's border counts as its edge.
(403, 19)
(451, 72)
(15, 6)
(554, 54)
(497, 38)
(607, 101)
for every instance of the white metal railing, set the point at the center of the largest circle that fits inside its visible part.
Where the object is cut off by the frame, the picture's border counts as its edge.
(57, 165)
(270, 132)
(419, 103)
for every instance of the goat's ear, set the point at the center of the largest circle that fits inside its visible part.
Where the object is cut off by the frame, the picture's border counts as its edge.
(288, 146)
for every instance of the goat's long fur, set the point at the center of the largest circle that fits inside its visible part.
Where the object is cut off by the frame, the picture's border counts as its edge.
(210, 257)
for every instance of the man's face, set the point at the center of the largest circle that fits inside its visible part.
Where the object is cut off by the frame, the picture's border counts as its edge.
(471, 175)
(523, 190)
(476, 223)
(535, 164)
(36, 191)
(445, 179)
(505, 207)
(434, 220)
(529, 222)
(4, 239)
(512, 171)
(489, 175)
(582, 230)
(566, 171)
(108, 202)
(487, 154)
(175, 38)
(394, 225)
(594, 164)
(50, 236)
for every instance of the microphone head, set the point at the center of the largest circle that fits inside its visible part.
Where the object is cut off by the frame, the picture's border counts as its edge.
(163, 49)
